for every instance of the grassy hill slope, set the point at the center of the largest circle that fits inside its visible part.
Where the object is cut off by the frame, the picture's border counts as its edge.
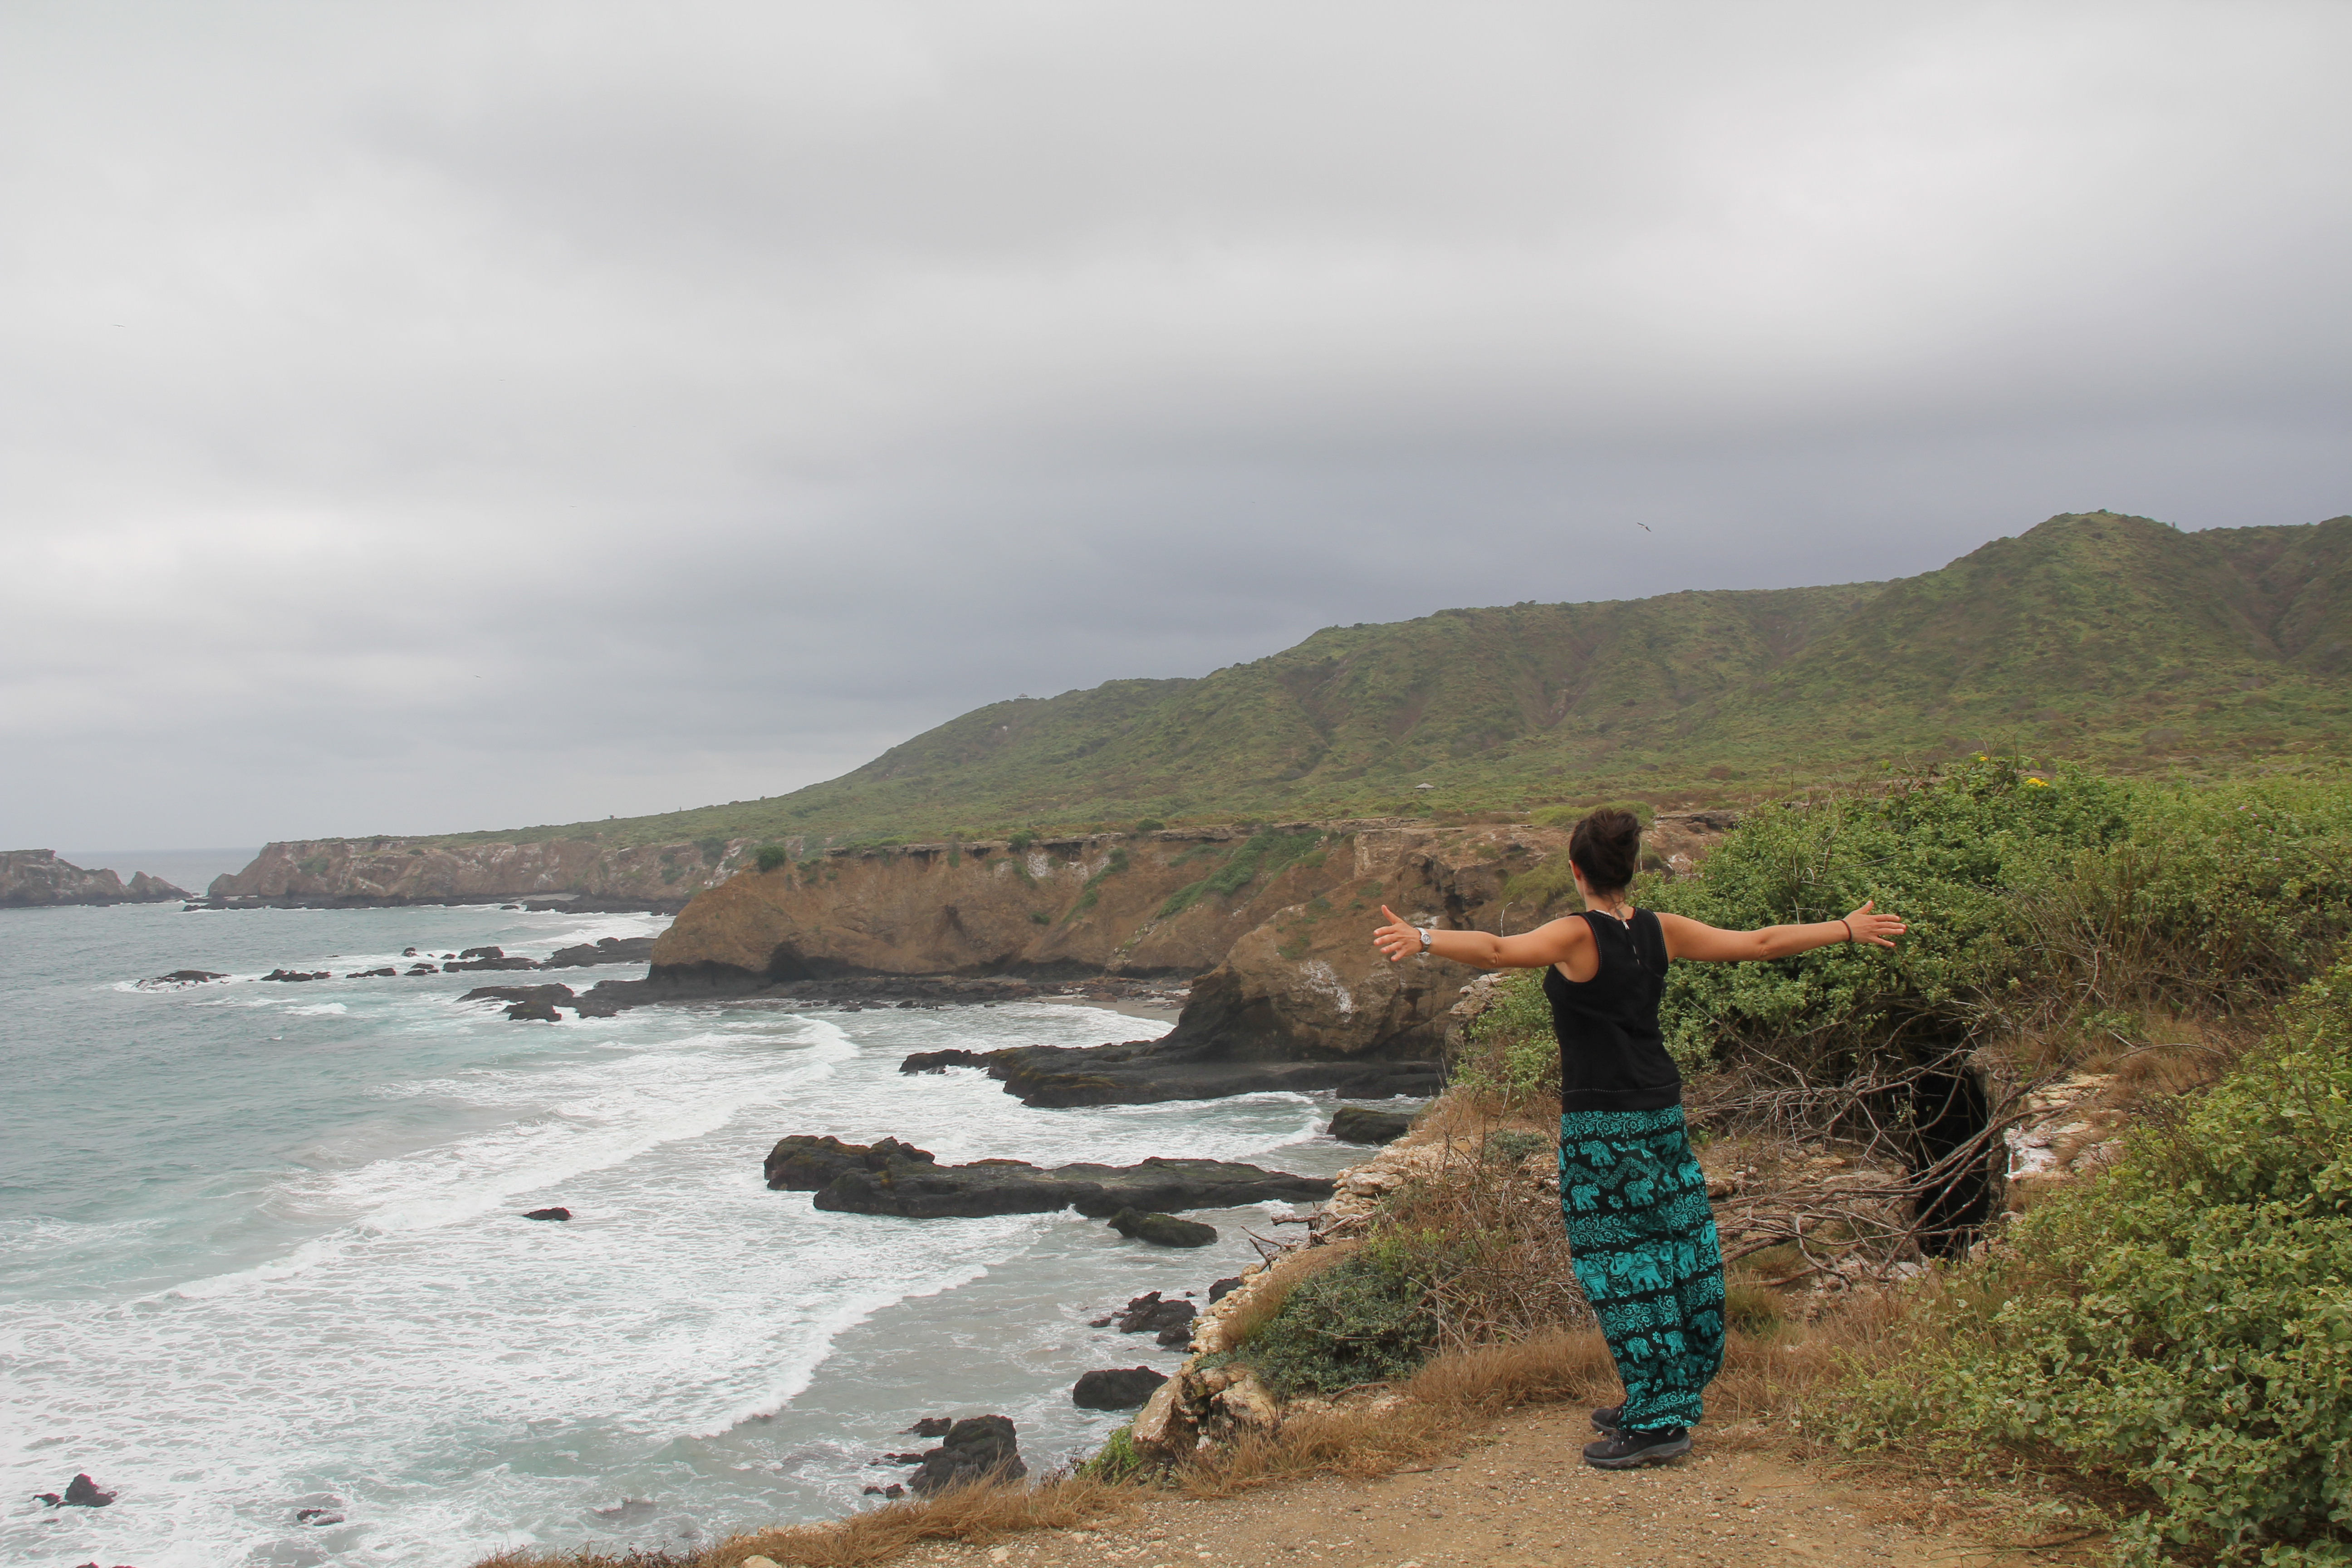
(2093, 635)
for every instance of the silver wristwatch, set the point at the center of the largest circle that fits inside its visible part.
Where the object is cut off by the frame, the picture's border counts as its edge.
(1425, 935)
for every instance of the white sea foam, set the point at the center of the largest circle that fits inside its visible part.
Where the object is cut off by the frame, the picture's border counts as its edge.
(366, 1313)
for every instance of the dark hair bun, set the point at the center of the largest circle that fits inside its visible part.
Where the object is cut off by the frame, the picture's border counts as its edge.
(1606, 845)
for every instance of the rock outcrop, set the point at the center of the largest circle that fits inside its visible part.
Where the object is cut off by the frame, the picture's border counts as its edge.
(37, 876)
(894, 1178)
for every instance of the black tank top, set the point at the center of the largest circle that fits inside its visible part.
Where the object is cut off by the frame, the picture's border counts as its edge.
(1612, 1054)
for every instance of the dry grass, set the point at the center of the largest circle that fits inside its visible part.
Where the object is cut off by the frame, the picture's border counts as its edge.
(1373, 1439)
(978, 1513)
(1544, 1368)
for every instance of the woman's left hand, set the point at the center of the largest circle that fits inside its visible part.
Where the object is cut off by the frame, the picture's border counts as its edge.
(1873, 928)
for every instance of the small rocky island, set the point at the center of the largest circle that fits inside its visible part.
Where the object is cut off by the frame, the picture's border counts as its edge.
(32, 877)
(894, 1178)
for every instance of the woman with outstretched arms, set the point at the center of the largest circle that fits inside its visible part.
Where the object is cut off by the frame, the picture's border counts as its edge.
(1640, 1232)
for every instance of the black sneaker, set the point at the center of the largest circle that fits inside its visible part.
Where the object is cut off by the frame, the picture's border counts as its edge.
(1605, 1418)
(1631, 1450)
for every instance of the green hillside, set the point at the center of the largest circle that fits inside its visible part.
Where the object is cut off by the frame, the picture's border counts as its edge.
(2094, 635)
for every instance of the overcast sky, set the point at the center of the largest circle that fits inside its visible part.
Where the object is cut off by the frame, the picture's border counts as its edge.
(418, 417)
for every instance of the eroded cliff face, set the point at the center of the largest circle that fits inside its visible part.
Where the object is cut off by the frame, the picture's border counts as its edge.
(1276, 924)
(33, 877)
(393, 870)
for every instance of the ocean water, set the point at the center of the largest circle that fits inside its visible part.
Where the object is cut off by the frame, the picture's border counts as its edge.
(261, 1246)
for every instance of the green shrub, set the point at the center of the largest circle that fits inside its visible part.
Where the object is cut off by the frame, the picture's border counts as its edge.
(1183, 899)
(1150, 824)
(2183, 1325)
(2027, 897)
(1264, 853)
(1511, 1145)
(773, 857)
(1117, 1460)
(1366, 1318)
(1514, 1055)
(714, 850)
(1022, 840)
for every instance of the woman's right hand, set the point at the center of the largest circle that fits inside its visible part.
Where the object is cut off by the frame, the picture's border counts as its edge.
(1398, 939)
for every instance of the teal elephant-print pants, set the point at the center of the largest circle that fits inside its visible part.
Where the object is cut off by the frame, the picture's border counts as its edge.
(1642, 1240)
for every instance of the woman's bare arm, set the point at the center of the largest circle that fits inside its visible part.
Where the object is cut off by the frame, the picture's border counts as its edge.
(1687, 938)
(1547, 944)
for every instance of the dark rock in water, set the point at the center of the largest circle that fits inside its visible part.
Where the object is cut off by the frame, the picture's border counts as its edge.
(49, 1497)
(894, 1178)
(317, 1516)
(83, 1493)
(370, 973)
(1223, 1288)
(607, 998)
(902, 1458)
(940, 1061)
(550, 994)
(1174, 1338)
(930, 1426)
(549, 1213)
(424, 969)
(455, 965)
(291, 975)
(891, 1493)
(977, 1449)
(604, 950)
(1147, 1314)
(1162, 1229)
(181, 977)
(1354, 1124)
(408, 952)
(1118, 1389)
(483, 952)
(1147, 1072)
(535, 1013)
(803, 1165)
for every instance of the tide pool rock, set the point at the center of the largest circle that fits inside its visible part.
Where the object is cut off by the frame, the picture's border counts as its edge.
(556, 1213)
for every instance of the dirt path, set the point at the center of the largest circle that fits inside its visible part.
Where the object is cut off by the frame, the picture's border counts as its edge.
(1524, 1497)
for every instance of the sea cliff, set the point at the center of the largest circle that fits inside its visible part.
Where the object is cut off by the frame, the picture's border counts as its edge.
(1273, 921)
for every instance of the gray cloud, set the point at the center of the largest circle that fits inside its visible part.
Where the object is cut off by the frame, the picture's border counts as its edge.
(426, 417)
